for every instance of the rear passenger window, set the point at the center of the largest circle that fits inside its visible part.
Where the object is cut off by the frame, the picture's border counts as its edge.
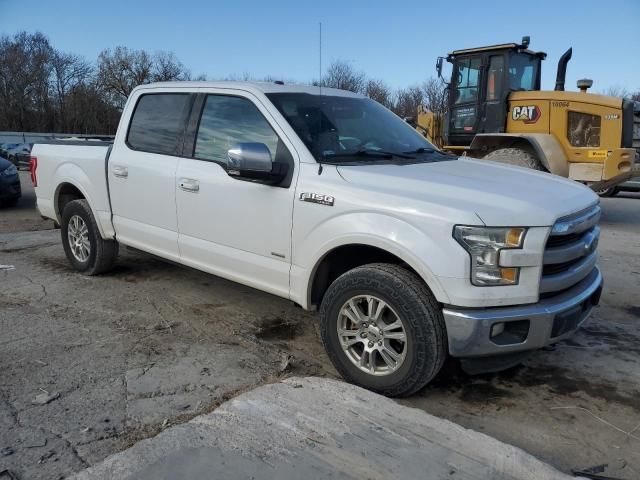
(229, 120)
(158, 121)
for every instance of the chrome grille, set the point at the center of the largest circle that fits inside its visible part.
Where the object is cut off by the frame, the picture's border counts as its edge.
(570, 253)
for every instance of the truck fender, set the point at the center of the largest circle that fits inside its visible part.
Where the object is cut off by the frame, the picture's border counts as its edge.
(68, 173)
(387, 233)
(546, 147)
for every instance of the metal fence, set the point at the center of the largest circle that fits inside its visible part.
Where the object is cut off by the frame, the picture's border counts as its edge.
(35, 137)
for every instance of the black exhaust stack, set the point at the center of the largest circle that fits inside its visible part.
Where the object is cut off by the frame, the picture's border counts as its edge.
(562, 69)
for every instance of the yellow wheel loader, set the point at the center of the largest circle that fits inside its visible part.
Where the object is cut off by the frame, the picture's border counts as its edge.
(497, 111)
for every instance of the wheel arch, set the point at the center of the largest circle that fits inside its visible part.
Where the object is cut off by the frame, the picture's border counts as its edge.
(340, 258)
(545, 146)
(66, 192)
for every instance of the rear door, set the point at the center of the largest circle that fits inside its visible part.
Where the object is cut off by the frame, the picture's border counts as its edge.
(142, 169)
(228, 226)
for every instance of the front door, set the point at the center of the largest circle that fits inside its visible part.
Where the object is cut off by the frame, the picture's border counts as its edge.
(465, 100)
(235, 228)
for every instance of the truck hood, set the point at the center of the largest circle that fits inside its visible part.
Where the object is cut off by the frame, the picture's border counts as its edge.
(501, 195)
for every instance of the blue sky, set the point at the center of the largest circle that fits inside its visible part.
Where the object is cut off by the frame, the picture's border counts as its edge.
(394, 41)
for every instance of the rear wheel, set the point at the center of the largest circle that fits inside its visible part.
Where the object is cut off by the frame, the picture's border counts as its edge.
(383, 329)
(83, 245)
(608, 192)
(518, 156)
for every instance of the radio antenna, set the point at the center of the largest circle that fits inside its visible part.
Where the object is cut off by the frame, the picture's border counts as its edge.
(320, 62)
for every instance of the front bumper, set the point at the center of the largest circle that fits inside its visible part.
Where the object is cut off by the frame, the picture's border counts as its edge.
(534, 326)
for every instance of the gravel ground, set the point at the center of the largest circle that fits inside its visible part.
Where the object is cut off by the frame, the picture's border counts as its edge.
(92, 364)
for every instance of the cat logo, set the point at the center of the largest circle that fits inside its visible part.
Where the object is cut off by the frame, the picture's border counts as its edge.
(526, 113)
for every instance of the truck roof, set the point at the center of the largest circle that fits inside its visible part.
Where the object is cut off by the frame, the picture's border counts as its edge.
(262, 87)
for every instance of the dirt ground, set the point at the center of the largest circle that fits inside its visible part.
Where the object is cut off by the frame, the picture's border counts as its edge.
(89, 365)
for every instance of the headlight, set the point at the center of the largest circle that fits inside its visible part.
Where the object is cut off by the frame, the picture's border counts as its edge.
(10, 170)
(484, 245)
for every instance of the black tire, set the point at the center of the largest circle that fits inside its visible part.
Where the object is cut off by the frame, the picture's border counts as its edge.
(102, 253)
(411, 299)
(517, 156)
(608, 192)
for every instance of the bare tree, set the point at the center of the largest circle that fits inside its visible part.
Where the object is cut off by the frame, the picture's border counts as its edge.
(69, 71)
(616, 91)
(166, 68)
(88, 112)
(407, 101)
(379, 91)
(121, 70)
(435, 95)
(24, 81)
(342, 75)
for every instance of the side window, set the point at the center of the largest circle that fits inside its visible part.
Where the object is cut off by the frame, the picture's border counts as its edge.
(228, 120)
(158, 121)
(468, 78)
(495, 77)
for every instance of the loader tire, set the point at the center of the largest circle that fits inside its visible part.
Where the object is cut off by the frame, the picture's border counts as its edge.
(517, 156)
(83, 245)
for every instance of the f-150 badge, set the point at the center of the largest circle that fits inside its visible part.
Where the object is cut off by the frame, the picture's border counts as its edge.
(317, 198)
(526, 113)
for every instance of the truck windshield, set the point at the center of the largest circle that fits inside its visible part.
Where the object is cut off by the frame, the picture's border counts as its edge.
(341, 129)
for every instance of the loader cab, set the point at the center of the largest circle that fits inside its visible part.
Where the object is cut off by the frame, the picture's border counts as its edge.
(481, 81)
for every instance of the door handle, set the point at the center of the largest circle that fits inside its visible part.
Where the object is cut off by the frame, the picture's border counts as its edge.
(120, 171)
(189, 185)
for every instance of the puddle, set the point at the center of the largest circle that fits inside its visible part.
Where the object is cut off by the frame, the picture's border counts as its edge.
(277, 328)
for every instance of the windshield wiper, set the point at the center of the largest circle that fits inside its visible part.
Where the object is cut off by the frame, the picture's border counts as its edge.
(382, 154)
(422, 150)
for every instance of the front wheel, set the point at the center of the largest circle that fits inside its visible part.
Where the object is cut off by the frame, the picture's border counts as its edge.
(383, 329)
(517, 156)
(85, 248)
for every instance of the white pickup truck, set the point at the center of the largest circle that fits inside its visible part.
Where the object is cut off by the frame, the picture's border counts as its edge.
(328, 199)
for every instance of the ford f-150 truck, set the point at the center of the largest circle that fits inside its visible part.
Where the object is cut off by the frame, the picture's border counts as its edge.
(326, 198)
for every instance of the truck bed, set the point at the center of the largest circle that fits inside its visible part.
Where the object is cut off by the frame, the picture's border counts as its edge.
(83, 162)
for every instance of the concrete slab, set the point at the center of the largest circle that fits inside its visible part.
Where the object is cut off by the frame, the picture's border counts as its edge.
(320, 428)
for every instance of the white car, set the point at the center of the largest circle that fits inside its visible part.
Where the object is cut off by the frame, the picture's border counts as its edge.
(328, 199)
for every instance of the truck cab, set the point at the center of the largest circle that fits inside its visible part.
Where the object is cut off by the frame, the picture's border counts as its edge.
(482, 79)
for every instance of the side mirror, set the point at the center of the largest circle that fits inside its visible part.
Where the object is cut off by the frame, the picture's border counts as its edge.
(439, 67)
(252, 161)
(255, 157)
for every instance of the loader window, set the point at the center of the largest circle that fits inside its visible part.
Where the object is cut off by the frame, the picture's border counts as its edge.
(466, 85)
(523, 72)
(495, 77)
